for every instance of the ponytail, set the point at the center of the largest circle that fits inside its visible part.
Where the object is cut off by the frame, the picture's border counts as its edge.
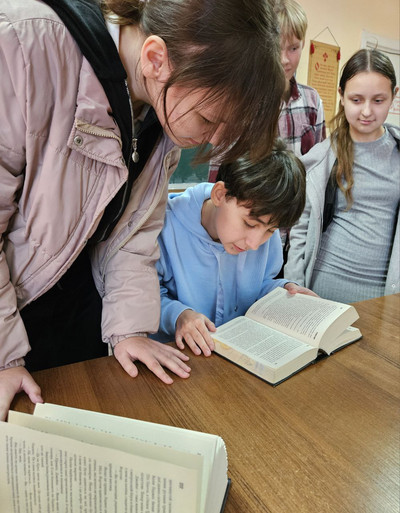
(343, 147)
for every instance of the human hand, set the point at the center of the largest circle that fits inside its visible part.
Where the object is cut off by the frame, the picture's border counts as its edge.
(292, 288)
(12, 381)
(154, 355)
(195, 328)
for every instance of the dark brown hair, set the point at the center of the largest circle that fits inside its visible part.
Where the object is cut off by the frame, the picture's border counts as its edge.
(274, 186)
(342, 143)
(229, 48)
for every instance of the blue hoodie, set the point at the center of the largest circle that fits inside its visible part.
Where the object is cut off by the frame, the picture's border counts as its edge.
(196, 272)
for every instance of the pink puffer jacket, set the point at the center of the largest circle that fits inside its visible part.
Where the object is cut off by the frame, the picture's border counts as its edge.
(60, 165)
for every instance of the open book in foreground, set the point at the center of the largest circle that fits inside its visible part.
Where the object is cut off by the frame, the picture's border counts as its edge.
(280, 334)
(65, 460)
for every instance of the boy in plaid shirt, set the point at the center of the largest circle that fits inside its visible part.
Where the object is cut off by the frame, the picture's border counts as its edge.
(302, 121)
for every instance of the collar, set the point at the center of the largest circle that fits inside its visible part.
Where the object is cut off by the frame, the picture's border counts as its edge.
(113, 29)
(294, 91)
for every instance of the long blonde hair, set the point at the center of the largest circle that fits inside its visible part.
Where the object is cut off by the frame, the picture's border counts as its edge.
(342, 143)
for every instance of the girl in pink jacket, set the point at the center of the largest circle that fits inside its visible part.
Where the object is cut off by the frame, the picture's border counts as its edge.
(92, 116)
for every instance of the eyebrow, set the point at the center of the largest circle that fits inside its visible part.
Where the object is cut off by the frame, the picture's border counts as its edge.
(374, 96)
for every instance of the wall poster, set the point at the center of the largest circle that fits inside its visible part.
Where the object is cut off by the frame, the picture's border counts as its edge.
(323, 69)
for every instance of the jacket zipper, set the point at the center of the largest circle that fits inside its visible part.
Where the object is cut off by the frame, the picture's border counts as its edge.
(133, 149)
(135, 157)
(98, 133)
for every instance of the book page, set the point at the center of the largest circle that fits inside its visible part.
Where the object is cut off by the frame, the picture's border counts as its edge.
(261, 349)
(348, 336)
(102, 439)
(45, 472)
(307, 318)
(210, 447)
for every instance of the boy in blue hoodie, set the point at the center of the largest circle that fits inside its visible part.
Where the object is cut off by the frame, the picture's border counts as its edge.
(220, 248)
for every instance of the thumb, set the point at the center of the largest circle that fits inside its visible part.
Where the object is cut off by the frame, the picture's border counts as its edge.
(179, 342)
(127, 364)
(210, 325)
(32, 389)
(291, 288)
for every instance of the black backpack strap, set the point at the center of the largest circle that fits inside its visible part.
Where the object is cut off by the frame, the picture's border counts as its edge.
(330, 198)
(85, 22)
(146, 142)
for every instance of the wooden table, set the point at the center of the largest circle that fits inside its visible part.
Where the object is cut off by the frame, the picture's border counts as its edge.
(326, 440)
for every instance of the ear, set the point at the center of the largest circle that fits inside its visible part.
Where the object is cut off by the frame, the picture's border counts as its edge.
(218, 193)
(396, 90)
(154, 59)
(341, 94)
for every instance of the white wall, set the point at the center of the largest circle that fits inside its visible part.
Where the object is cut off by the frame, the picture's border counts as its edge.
(346, 20)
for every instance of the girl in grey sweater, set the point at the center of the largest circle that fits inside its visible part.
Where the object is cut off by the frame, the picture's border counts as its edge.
(345, 246)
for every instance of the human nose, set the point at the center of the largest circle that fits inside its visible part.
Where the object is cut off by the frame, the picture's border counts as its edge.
(284, 57)
(366, 110)
(255, 239)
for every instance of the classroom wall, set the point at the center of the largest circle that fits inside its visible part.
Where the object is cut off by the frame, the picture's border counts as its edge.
(346, 20)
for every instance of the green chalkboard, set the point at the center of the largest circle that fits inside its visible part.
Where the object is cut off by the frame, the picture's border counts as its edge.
(187, 172)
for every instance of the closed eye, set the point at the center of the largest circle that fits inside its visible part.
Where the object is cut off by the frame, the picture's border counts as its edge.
(206, 121)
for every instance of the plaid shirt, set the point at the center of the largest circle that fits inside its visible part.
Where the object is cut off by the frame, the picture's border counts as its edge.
(301, 121)
(301, 125)
(213, 172)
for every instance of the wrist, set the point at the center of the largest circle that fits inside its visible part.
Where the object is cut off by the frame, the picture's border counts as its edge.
(120, 338)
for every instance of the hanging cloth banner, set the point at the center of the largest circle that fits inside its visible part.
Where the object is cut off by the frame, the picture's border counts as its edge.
(323, 68)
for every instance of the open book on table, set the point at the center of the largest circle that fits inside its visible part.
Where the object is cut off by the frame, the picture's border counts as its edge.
(282, 333)
(66, 460)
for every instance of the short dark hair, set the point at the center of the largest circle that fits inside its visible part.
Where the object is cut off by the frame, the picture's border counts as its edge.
(274, 186)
